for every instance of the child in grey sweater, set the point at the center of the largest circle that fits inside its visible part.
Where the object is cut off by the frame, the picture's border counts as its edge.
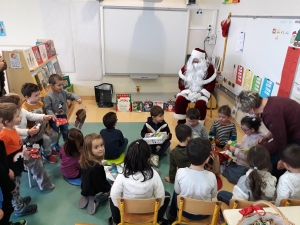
(192, 117)
(55, 102)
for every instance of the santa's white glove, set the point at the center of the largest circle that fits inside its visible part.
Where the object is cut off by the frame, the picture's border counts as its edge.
(194, 96)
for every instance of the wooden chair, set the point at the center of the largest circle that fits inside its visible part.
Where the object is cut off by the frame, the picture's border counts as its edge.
(197, 207)
(139, 211)
(289, 202)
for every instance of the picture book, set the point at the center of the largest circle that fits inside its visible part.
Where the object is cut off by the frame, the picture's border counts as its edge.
(159, 103)
(43, 52)
(56, 66)
(30, 59)
(147, 105)
(48, 51)
(51, 48)
(45, 68)
(170, 106)
(51, 68)
(45, 77)
(67, 82)
(137, 106)
(39, 82)
(123, 103)
(37, 55)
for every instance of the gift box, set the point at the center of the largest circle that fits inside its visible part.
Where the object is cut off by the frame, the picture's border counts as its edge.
(123, 103)
(169, 106)
(137, 106)
(159, 103)
(147, 105)
(155, 138)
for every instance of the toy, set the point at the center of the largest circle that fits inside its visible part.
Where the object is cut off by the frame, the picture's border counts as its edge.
(61, 121)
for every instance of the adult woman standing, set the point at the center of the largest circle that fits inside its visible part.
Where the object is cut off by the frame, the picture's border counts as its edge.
(282, 118)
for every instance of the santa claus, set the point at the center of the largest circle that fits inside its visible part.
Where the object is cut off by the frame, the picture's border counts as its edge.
(196, 82)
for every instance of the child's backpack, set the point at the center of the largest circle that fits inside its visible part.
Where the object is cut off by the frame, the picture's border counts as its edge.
(103, 95)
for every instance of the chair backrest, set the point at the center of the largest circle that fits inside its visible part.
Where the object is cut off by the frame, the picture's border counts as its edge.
(197, 207)
(289, 202)
(137, 211)
(239, 204)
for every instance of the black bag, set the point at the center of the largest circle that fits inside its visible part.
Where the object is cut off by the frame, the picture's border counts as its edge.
(103, 95)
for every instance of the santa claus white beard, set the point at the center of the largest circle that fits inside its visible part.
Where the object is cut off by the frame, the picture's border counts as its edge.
(195, 74)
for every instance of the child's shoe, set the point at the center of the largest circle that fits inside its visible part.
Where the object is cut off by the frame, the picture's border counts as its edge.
(83, 201)
(155, 160)
(92, 205)
(21, 222)
(54, 153)
(50, 159)
(26, 200)
(57, 147)
(28, 210)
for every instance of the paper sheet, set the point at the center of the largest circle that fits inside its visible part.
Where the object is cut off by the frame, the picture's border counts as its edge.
(267, 88)
(240, 42)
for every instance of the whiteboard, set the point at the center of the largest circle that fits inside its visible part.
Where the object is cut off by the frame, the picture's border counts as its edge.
(265, 47)
(143, 41)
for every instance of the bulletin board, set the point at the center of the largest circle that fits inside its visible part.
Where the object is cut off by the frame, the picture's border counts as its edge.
(267, 59)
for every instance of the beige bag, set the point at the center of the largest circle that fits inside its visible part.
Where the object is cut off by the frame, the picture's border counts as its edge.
(278, 218)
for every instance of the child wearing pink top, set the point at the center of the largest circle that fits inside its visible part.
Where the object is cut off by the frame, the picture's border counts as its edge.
(70, 154)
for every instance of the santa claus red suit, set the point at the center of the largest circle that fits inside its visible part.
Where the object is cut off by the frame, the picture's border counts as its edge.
(196, 82)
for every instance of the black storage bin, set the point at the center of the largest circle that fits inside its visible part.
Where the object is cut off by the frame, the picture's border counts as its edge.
(103, 95)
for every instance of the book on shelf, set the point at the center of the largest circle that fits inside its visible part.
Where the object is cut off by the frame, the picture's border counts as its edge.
(123, 103)
(39, 82)
(30, 59)
(43, 52)
(49, 44)
(67, 82)
(37, 55)
(44, 77)
(56, 66)
(51, 68)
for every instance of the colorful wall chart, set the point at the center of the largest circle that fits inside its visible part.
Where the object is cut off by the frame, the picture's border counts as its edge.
(256, 83)
(248, 79)
(267, 88)
(239, 75)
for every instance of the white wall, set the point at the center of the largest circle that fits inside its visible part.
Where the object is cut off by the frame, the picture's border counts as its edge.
(28, 22)
(253, 7)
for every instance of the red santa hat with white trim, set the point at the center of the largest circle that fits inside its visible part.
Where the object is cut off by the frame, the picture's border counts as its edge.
(198, 53)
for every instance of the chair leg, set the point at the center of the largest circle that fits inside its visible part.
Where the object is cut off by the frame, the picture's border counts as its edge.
(29, 178)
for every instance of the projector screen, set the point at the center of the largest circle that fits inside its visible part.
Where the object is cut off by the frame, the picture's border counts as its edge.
(143, 41)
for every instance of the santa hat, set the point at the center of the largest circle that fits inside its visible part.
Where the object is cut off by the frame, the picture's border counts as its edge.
(198, 53)
(225, 27)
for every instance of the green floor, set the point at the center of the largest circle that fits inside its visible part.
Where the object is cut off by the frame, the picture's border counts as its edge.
(59, 207)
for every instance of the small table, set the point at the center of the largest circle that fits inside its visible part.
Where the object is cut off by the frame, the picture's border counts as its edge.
(232, 216)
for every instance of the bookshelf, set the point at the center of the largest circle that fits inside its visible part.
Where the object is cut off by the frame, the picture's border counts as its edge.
(33, 65)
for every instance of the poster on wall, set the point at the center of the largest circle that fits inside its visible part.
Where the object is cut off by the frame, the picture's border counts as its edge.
(248, 79)
(267, 88)
(256, 83)
(295, 34)
(2, 29)
(239, 75)
(15, 62)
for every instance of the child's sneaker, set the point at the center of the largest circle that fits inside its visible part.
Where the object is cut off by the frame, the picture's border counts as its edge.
(155, 160)
(54, 153)
(28, 210)
(57, 148)
(26, 200)
(21, 222)
(50, 158)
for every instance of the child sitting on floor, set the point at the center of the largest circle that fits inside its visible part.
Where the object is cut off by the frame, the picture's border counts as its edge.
(70, 154)
(239, 166)
(138, 181)
(156, 123)
(223, 129)
(192, 120)
(94, 187)
(257, 183)
(178, 156)
(115, 143)
(288, 184)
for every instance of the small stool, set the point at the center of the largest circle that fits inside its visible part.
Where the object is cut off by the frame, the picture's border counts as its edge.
(116, 161)
(74, 181)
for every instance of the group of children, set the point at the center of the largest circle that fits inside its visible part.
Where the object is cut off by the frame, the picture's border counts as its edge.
(82, 157)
